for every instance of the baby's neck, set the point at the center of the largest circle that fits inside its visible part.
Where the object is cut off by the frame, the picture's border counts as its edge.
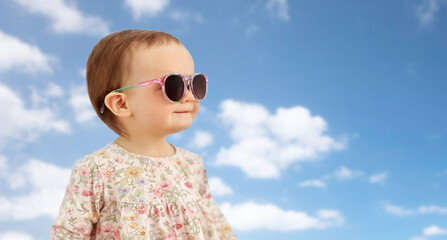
(155, 147)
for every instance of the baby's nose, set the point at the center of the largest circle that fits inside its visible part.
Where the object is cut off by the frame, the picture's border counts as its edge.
(189, 97)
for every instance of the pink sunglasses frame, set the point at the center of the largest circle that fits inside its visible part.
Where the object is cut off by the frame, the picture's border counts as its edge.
(188, 79)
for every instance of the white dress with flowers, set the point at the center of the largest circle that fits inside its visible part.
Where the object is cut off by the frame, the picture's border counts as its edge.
(115, 194)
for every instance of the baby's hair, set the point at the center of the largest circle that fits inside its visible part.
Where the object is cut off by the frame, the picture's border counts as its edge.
(105, 66)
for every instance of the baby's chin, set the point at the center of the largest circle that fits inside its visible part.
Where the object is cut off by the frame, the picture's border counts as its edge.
(179, 127)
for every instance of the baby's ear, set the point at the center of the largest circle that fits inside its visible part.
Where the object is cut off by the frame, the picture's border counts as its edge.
(117, 103)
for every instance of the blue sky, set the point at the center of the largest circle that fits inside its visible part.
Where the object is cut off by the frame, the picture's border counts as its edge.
(324, 119)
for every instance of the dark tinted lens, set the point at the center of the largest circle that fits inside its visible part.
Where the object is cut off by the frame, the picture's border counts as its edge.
(199, 86)
(174, 87)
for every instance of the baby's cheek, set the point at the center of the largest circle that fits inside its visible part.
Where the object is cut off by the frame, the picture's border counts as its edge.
(196, 109)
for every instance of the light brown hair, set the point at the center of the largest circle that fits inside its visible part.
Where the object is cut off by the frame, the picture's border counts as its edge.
(105, 66)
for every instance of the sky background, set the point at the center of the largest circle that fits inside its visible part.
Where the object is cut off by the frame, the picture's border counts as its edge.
(324, 119)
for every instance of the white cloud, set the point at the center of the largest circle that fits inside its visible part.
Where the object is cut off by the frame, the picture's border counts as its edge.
(218, 187)
(434, 230)
(3, 165)
(65, 17)
(25, 124)
(279, 9)
(264, 143)
(344, 173)
(313, 183)
(252, 29)
(144, 7)
(39, 98)
(45, 194)
(54, 90)
(427, 10)
(80, 103)
(201, 140)
(432, 209)
(184, 16)
(423, 209)
(253, 216)
(14, 236)
(378, 178)
(83, 73)
(15, 54)
(397, 210)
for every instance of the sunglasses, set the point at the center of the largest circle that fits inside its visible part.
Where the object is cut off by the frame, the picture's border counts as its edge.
(174, 87)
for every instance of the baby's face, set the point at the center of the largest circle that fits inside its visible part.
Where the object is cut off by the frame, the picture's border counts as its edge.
(151, 112)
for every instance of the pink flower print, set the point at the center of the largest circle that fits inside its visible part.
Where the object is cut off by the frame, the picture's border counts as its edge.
(69, 211)
(187, 210)
(198, 171)
(68, 194)
(189, 184)
(86, 193)
(190, 210)
(204, 171)
(108, 173)
(83, 229)
(117, 236)
(111, 230)
(85, 171)
(160, 163)
(142, 209)
(177, 177)
(177, 226)
(98, 186)
(157, 212)
(161, 187)
(56, 229)
(169, 209)
(208, 195)
(76, 188)
(170, 236)
(157, 193)
(118, 160)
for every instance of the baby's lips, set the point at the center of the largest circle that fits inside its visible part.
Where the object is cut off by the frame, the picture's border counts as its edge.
(184, 110)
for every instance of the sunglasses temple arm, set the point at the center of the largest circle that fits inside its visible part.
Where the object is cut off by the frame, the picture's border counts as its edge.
(101, 110)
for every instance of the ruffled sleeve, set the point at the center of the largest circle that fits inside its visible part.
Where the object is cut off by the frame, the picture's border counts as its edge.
(82, 202)
(221, 222)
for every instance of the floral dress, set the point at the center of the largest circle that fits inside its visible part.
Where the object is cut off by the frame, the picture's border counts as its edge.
(116, 194)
